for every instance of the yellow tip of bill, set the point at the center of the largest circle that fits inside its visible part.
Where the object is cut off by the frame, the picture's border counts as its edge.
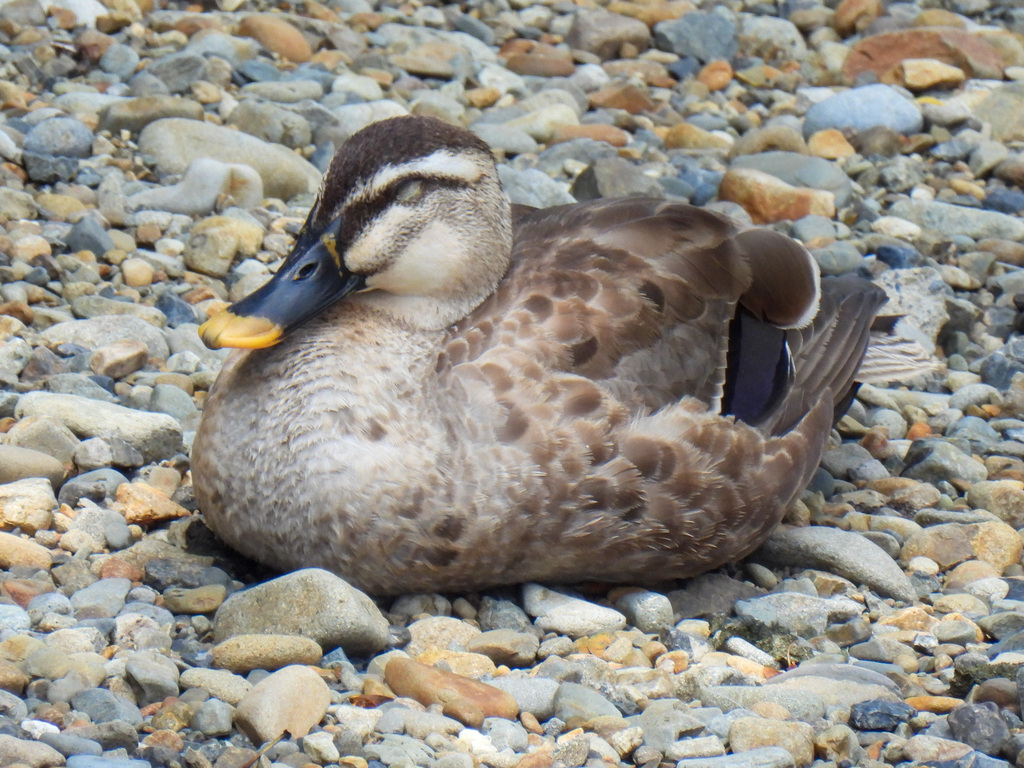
(227, 329)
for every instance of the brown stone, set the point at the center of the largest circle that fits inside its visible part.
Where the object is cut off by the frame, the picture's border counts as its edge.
(482, 98)
(768, 199)
(243, 653)
(19, 310)
(769, 138)
(881, 53)
(689, 136)
(716, 75)
(1005, 250)
(925, 749)
(116, 568)
(830, 144)
(277, 36)
(853, 16)
(651, 72)
(622, 95)
(540, 65)
(468, 701)
(605, 34)
(951, 543)
(15, 550)
(12, 679)
(650, 12)
(598, 132)
(144, 505)
(120, 358)
(747, 733)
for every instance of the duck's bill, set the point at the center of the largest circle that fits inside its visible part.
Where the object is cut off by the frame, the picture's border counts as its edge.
(310, 280)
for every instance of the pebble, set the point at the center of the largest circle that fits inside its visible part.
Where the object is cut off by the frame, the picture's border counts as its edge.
(292, 700)
(567, 615)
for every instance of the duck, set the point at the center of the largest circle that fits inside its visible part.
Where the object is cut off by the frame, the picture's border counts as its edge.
(439, 391)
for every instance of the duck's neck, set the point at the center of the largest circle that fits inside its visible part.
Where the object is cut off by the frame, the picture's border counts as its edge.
(419, 313)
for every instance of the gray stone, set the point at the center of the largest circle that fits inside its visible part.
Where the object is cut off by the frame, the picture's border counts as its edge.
(535, 695)
(952, 220)
(153, 676)
(174, 143)
(101, 599)
(934, 460)
(567, 615)
(60, 136)
(311, 603)
(793, 612)
(272, 123)
(178, 70)
(614, 177)
(579, 703)
(705, 36)
(533, 187)
(105, 706)
(100, 331)
(213, 718)
(841, 552)
(155, 435)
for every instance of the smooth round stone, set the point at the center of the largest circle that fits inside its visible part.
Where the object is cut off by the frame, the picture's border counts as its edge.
(120, 60)
(20, 463)
(61, 136)
(860, 109)
(293, 699)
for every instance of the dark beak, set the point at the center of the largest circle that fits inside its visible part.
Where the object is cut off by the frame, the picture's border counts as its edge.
(311, 279)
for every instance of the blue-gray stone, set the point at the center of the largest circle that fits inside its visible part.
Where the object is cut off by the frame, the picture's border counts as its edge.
(178, 70)
(120, 60)
(96, 485)
(89, 235)
(104, 706)
(860, 109)
(71, 745)
(47, 169)
(705, 36)
(59, 136)
(177, 310)
(101, 599)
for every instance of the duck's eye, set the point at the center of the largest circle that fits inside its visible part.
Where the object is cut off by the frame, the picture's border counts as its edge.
(409, 191)
(305, 271)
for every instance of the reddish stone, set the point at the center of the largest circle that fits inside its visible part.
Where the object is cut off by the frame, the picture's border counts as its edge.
(881, 53)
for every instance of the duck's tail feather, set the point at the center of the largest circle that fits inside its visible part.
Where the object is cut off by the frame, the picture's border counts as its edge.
(827, 353)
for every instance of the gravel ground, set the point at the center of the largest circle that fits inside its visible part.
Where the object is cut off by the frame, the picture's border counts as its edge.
(157, 163)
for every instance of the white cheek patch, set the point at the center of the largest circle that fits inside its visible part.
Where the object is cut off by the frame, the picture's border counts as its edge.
(424, 265)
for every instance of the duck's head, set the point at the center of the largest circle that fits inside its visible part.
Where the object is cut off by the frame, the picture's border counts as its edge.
(410, 218)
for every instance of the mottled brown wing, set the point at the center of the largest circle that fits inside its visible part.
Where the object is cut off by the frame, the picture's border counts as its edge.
(636, 294)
